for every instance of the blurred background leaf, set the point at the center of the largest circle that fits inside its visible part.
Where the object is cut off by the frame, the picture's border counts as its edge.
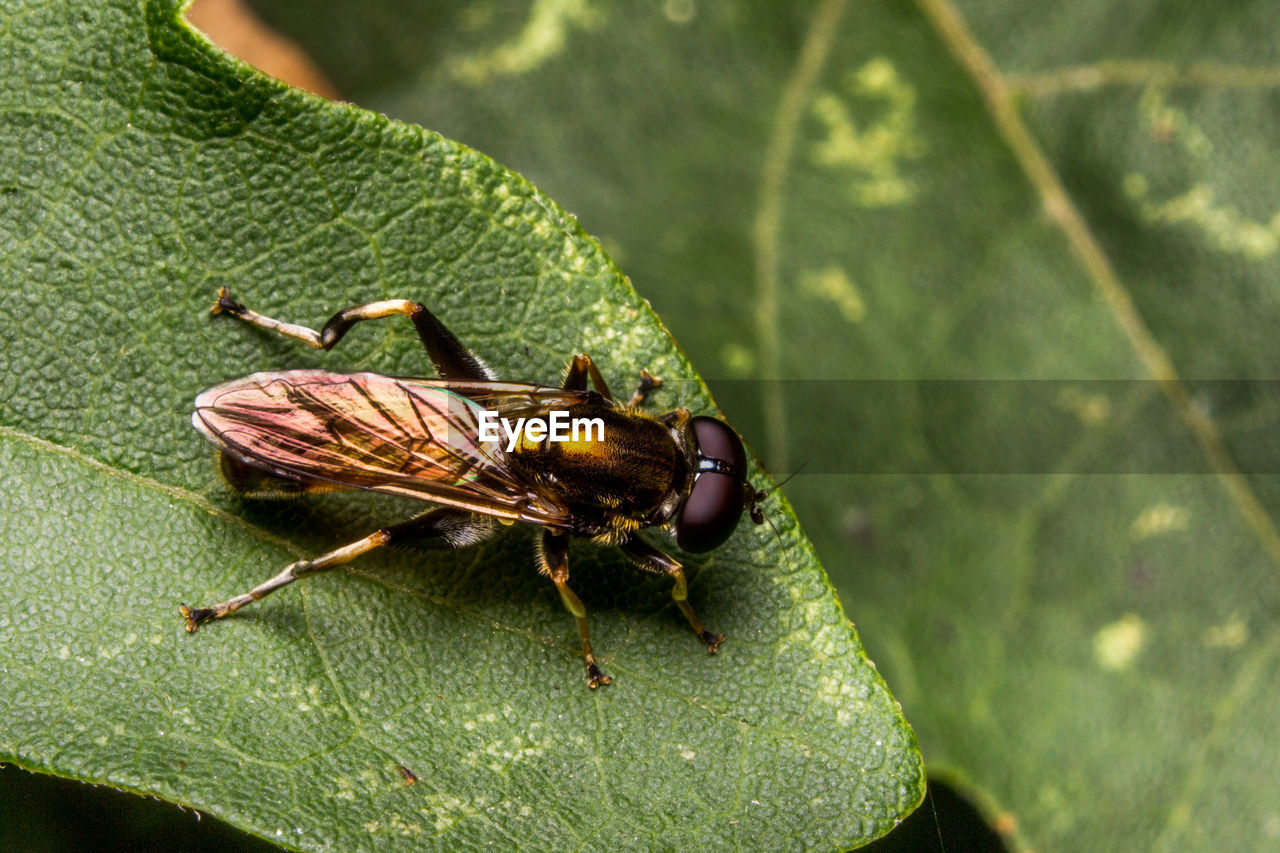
(141, 168)
(1081, 627)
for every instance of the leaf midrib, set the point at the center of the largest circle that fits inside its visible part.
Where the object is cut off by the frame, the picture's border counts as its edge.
(1084, 244)
(996, 94)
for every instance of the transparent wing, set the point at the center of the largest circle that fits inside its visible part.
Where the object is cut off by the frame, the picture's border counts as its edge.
(411, 437)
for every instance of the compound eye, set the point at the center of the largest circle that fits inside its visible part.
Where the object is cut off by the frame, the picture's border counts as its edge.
(710, 513)
(717, 441)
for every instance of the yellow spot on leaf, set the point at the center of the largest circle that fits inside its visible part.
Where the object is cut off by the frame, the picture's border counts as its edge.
(1116, 645)
(833, 285)
(1159, 518)
(542, 37)
(1231, 634)
(737, 359)
(1226, 228)
(445, 810)
(871, 153)
(1171, 124)
(679, 11)
(405, 827)
(1091, 409)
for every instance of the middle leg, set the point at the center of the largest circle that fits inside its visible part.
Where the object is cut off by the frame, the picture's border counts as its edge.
(582, 368)
(553, 560)
(651, 559)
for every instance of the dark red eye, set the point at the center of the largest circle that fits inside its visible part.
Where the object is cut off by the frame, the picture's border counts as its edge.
(711, 512)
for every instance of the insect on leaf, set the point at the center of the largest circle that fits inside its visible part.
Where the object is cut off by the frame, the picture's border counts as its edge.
(140, 170)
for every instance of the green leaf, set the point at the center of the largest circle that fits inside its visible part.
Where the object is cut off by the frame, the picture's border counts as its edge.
(961, 193)
(141, 169)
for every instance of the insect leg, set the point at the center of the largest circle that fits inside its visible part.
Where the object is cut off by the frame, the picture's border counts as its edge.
(647, 383)
(653, 560)
(451, 359)
(448, 527)
(553, 561)
(575, 378)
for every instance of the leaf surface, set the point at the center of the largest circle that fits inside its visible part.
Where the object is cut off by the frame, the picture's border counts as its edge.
(141, 169)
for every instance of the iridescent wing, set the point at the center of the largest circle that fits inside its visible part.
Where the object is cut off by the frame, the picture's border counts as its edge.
(412, 437)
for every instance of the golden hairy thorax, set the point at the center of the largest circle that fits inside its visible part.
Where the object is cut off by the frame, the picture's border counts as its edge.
(637, 465)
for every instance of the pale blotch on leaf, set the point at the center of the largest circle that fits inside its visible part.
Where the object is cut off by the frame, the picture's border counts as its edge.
(1170, 124)
(679, 11)
(847, 699)
(871, 134)
(487, 717)
(1051, 801)
(1116, 645)
(405, 827)
(1091, 409)
(1231, 634)
(503, 752)
(1157, 519)
(542, 37)
(833, 285)
(445, 810)
(737, 359)
(1226, 228)
(623, 334)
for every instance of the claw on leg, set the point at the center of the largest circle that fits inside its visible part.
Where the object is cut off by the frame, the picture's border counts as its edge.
(647, 383)
(596, 678)
(197, 617)
(712, 641)
(225, 304)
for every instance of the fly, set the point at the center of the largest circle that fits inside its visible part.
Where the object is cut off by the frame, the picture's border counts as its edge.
(291, 432)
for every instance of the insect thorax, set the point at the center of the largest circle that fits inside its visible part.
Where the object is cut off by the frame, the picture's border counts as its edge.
(632, 471)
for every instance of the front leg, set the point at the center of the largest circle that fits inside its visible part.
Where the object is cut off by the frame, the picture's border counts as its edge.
(647, 383)
(582, 367)
(553, 561)
(451, 359)
(575, 378)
